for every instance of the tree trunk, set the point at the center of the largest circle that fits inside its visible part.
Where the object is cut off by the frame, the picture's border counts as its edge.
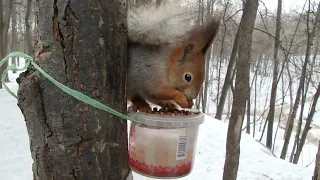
(281, 110)
(270, 117)
(291, 98)
(14, 33)
(255, 94)
(3, 67)
(248, 110)
(299, 125)
(295, 150)
(83, 47)
(29, 45)
(228, 79)
(4, 26)
(158, 3)
(289, 74)
(311, 112)
(241, 90)
(307, 126)
(316, 173)
(219, 62)
(207, 72)
(142, 2)
(311, 36)
(206, 84)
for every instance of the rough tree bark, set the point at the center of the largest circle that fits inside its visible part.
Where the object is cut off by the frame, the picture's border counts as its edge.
(83, 45)
(310, 40)
(270, 117)
(241, 90)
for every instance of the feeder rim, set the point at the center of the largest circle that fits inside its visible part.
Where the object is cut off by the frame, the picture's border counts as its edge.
(167, 121)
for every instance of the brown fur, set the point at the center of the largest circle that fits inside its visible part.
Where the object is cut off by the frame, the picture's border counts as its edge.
(157, 72)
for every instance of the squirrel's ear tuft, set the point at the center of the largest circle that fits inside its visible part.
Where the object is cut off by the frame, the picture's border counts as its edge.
(204, 35)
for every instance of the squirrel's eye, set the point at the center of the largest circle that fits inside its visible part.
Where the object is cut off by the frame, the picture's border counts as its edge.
(187, 77)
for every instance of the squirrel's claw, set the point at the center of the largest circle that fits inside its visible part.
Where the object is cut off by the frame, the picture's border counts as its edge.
(140, 105)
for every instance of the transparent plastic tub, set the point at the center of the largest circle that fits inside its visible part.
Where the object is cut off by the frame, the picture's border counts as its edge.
(163, 146)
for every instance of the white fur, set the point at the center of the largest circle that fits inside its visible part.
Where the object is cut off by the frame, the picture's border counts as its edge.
(165, 24)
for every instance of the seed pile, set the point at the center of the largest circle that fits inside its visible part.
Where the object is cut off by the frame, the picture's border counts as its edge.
(171, 111)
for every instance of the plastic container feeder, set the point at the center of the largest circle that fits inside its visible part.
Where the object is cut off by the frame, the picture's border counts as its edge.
(163, 146)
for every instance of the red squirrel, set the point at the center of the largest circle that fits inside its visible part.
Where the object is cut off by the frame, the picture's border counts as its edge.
(166, 56)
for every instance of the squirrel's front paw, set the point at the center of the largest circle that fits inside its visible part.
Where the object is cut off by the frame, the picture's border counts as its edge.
(140, 108)
(145, 109)
(182, 100)
(139, 104)
(190, 103)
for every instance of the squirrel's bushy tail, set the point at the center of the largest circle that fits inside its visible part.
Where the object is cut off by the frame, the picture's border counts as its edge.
(165, 24)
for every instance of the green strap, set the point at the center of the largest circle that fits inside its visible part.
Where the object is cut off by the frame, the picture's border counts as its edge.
(76, 94)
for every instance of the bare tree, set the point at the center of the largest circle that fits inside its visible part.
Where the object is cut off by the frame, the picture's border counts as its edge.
(5, 14)
(28, 28)
(316, 173)
(270, 117)
(241, 90)
(2, 69)
(310, 40)
(248, 109)
(290, 76)
(221, 59)
(307, 126)
(255, 96)
(70, 139)
(142, 2)
(14, 40)
(158, 3)
(205, 89)
(228, 78)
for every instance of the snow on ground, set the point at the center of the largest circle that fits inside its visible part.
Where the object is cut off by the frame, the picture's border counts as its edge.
(15, 157)
(264, 82)
(309, 150)
(256, 162)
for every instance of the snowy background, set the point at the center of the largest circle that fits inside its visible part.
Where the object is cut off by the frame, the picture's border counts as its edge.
(256, 161)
